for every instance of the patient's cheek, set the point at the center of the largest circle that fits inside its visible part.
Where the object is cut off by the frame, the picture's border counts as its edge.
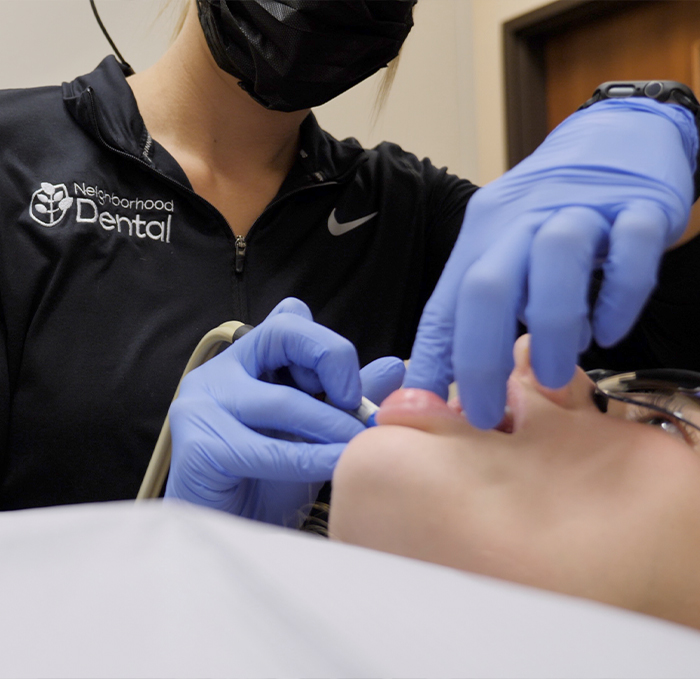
(417, 408)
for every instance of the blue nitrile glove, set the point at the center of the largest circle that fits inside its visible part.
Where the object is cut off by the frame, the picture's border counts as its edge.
(611, 185)
(227, 422)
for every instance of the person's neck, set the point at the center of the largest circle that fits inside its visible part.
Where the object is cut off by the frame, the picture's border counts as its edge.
(200, 114)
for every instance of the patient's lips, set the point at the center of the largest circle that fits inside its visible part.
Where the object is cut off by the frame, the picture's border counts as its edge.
(411, 407)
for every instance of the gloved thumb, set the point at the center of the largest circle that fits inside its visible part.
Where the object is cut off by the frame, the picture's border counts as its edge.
(381, 377)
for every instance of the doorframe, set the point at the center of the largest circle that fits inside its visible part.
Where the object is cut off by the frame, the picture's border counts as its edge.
(524, 67)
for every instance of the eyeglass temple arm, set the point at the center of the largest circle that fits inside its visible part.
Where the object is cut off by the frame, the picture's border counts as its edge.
(599, 398)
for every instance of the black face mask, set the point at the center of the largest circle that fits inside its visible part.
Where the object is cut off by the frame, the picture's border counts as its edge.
(295, 54)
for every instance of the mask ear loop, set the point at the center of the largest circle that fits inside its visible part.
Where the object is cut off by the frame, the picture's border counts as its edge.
(125, 65)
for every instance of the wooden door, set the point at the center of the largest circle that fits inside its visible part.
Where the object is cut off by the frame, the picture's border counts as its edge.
(557, 55)
(642, 41)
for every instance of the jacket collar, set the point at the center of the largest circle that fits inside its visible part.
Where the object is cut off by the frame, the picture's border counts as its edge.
(104, 106)
(324, 157)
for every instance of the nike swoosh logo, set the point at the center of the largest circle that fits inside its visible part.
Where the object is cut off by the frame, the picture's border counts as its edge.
(339, 228)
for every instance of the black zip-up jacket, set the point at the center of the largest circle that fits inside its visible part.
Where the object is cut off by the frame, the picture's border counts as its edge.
(112, 269)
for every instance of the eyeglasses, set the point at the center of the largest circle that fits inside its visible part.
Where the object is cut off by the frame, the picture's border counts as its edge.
(663, 397)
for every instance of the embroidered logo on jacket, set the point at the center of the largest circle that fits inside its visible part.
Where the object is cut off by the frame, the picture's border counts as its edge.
(139, 218)
(50, 204)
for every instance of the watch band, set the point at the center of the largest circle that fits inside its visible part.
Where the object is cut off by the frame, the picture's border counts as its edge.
(663, 91)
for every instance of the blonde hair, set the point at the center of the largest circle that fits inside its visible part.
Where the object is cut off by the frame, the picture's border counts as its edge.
(387, 81)
(384, 87)
(180, 22)
(171, 6)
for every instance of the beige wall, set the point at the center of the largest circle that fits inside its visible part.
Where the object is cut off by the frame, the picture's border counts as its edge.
(44, 42)
(446, 103)
(489, 16)
(447, 99)
(430, 110)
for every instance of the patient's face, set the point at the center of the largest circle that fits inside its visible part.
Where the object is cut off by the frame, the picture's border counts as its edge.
(569, 499)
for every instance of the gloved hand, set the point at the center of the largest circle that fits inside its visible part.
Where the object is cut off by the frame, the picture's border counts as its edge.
(259, 449)
(611, 185)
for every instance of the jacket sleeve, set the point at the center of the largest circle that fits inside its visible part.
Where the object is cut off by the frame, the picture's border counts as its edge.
(447, 198)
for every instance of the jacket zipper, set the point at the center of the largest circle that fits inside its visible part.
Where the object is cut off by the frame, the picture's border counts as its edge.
(240, 243)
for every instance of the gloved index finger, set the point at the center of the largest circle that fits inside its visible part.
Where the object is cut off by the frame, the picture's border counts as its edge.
(430, 366)
(287, 340)
(486, 324)
(298, 376)
(292, 305)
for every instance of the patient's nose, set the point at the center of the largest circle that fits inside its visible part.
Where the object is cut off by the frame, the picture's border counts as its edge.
(576, 394)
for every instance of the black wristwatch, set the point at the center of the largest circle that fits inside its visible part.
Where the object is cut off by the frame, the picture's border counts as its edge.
(663, 91)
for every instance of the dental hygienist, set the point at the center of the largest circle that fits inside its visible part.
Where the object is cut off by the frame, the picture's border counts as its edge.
(139, 211)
